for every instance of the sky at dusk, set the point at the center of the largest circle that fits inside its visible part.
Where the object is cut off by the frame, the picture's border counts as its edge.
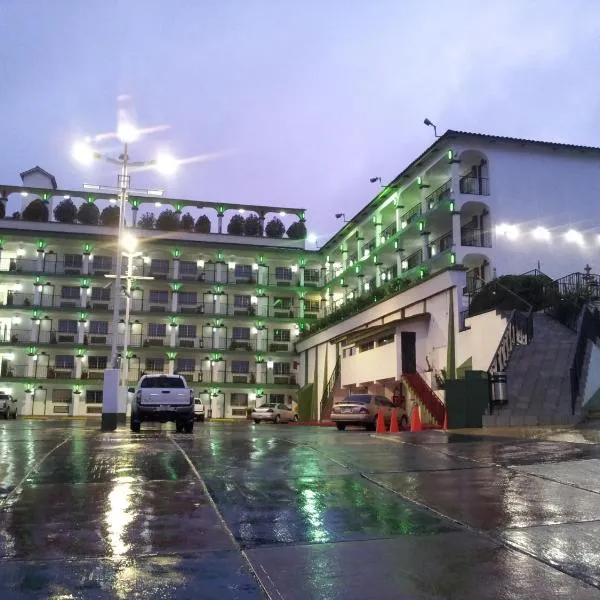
(306, 100)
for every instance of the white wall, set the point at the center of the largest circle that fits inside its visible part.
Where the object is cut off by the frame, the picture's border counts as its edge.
(372, 365)
(482, 341)
(532, 186)
(591, 393)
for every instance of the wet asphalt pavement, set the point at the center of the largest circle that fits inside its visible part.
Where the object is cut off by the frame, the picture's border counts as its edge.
(292, 512)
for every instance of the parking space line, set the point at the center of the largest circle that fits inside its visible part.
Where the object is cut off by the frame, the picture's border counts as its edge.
(224, 524)
(33, 469)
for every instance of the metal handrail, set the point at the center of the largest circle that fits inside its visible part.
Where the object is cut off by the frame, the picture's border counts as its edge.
(329, 386)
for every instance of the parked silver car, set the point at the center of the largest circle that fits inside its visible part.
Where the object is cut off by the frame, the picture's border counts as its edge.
(8, 406)
(274, 412)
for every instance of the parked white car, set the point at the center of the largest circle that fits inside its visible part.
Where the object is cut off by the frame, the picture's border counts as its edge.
(8, 406)
(199, 410)
(274, 412)
(161, 398)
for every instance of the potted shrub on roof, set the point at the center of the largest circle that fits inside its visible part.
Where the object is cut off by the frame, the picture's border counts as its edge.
(297, 231)
(109, 217)
(147, 221)
(202, 224)
(236, 225)
(65, 211)
(168, 220)
(88, 214)
(187, 222)
(275, 228)
(252, 226)
(36, 211)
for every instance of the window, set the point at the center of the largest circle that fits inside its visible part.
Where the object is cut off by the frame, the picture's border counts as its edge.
(281, 335)
(101, 293)
(61, 395)
(367, 346)
(159, 296)
(99, 327)
(167, 381)
(188, 298)
(157, 329)
(283, 303)
(312, 304)
(159, 266)
(240, 333)
(311, 276)
(155, 364)
(97, 362)
(283, 273)
(241, 301)
(187, 331)
(70, 291)
(73, 261)
(237, 399)
(67, 326)
(94, 396)
(64, 361)
(281, 368)
(276, 398)
(240, 366)
(186, 365)
(187, 267)
(102, 263)
(243, 271)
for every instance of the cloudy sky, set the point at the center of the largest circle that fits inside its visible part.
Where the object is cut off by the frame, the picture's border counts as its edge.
(305, 99)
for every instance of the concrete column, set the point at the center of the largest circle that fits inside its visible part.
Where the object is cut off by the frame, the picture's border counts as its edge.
(455, 181)
(378, 230)
(262, 306)
(263, 275)
(360, 244)
(134, 216)
(378, 275)
(219, 304)
(176, 268)
(40, 260)
(34, 333)
(220, 223)
(86, 266)
(78, 367)
(80, 331)
(301, 276)
(27, 407)
(398, 214)
(424, 191)
(260, 375)
(172, 336)
(425, 237)
(30, 366)
(456, 234)
(261, 340)
(344, 258)
(301, 307)
(84, 297)
(171, 366)
(399, 260)
(174, 301)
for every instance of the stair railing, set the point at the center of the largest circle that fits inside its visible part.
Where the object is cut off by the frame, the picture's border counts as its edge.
(588, 329)
(330, 386)
(429, 399)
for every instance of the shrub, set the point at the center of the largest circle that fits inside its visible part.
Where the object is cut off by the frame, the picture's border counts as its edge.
(16, 215)
(202, 224)
(2, 208)
(88, 214)
(147, 221)
(236, 225)
(253, 226)
(109, 217)
(168, 220)
(275, 228)
(65, 211)
(187, 222)
(297, 231)
(36, 211)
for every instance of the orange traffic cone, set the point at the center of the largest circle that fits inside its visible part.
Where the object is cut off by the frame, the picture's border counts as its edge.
(445, 425)
(394, 422)
(380, 428)
(415, 419)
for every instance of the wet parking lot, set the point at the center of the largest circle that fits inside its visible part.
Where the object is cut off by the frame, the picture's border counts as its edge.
(294, 512)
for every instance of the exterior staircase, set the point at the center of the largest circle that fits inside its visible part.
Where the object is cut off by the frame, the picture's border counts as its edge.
(332, 387)
(427, 398)
(538, 387)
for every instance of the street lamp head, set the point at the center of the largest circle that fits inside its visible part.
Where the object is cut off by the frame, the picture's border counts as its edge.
(128, 242)
(127, 132)
(312, 238)
(166, 164)
(427, 122)
(83, 153)
(374, 179)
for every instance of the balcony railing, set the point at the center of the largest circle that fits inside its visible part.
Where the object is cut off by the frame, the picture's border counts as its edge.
(441, 244)
(414, 260)
(474, 185)
(388, 232)
(411, 215)
(439, 195)
(475, 237)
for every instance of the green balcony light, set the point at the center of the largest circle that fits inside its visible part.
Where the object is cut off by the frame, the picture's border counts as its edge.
(302, 215)
(173, 321)
(261, 259)
(219, 255)
(259, 359)
(302, 261)
(396, 245)
(84, 283)
(452, 258)
(83, 315)
(220, 210)
(129, 354)
(87, 249)
(41, 244)
(178, 207)
(45, 196)
(176, 252)
(80, 352)
(419, 180)
(35, 313)
(450, 155)
(175, 287)
(31, 350)
(135, 202)
(1, 244)
(421, 226)
(171, 355)
(90, 199)
(451, 205)
(342, 281)
(77, 389)
(422, 272)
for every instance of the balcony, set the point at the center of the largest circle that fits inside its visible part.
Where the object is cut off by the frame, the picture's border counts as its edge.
(478, 186)
(439, 195)
(475, 237)
(388, 232)
(439, 245)
(414, 260)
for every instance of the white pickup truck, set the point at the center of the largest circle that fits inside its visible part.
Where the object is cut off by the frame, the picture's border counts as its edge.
(161, 398)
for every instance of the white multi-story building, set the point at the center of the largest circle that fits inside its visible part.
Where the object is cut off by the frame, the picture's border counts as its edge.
(381, 298)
